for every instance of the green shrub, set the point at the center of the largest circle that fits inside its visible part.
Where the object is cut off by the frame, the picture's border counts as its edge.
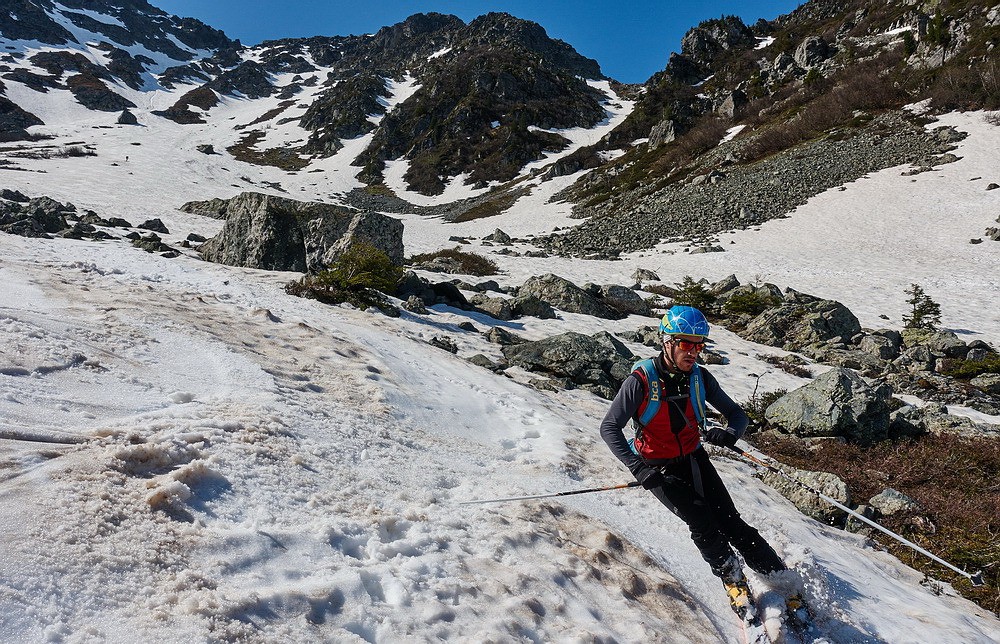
(750, 303)
(758, 404)
(925, 313)
(360, 276)
(937, 30)
(692, 293)
(812, 77)
(973, 368)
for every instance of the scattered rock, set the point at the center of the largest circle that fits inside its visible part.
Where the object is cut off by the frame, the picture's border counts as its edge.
(808, 503)
(598, 363)
(155, 225)
(839, 403)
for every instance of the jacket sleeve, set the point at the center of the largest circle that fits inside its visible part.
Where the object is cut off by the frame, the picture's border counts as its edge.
(720, 400)
(623, 408)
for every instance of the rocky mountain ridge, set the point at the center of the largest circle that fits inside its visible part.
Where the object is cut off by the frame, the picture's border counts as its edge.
(484, 90)
(481, 103)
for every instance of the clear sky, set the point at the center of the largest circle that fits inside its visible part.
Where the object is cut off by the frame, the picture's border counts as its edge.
(631, 40)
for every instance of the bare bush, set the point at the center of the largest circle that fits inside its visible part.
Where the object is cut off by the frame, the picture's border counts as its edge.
(466, 263)
(868, 88)
(961, 87)
(955, 479)
(790, 364)
(75, 151)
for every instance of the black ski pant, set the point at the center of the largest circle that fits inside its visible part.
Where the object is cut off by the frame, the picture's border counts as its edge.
(695, 493)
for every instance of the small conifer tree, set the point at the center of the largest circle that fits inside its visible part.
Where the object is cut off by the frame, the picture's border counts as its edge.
(925, 313)
(694, 294)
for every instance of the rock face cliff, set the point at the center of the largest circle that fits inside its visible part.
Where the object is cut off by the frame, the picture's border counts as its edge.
(274, 233)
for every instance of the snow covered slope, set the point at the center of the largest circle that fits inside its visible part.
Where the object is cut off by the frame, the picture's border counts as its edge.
(214, 460)
(263, 467)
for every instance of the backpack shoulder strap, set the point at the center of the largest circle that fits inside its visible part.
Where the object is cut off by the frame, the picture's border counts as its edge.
(697, 392)
(645, 370)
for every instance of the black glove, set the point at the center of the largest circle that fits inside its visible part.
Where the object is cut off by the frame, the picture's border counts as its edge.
(722, 436)
(649, 477)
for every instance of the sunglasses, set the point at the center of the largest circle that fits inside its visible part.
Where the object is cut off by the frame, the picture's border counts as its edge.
(688, 345)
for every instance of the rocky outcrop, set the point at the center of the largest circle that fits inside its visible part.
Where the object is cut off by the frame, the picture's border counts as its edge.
(127, 118)
(566, 296)
(343, 112)
(622, 299)
(44, 217)
(597, 363)
(39, 217)
(812, 51)
(181, 112)
(214, 208)
(838, 403)
(802, 321)
(420, 293)
(14, 121)
(483, 109)
(662, 133)
(808, 503)
(135, 23)
(248, 78)
(704, 43)
(275, 233)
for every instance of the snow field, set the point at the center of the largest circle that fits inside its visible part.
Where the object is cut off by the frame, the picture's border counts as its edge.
(257, 467)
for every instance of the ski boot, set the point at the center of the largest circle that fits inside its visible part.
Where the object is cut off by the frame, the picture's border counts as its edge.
(737, 589)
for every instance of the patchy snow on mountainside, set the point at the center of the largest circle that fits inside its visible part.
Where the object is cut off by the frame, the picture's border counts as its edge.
(191, 454)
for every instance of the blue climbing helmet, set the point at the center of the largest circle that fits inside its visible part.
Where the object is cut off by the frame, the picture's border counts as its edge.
(684, 320)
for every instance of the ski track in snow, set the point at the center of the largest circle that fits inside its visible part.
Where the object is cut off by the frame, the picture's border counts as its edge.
(231, 414)
(262, 468)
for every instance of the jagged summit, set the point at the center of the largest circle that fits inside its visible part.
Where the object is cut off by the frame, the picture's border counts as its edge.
(480, 94)
(120, 23)
(433, 102)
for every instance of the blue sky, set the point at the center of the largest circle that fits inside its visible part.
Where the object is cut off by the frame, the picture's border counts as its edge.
(631, 40)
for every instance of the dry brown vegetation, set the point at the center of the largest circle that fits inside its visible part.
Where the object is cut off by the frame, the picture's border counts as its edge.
(492, 207)
(470, 263)
(955, 479)
(284, 158)
(829, 104)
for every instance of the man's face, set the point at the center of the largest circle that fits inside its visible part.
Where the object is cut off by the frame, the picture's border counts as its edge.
(683, 350)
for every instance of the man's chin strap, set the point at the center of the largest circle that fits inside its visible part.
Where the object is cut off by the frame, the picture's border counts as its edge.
(668, 357)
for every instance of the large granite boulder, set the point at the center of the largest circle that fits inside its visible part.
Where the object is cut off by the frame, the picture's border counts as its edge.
(812, 51)
(808, 503)
(275, 233)
(598, 363)
(940, 343)
(567, 296)
(802, 321)
(620, 298)
(839, 403)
